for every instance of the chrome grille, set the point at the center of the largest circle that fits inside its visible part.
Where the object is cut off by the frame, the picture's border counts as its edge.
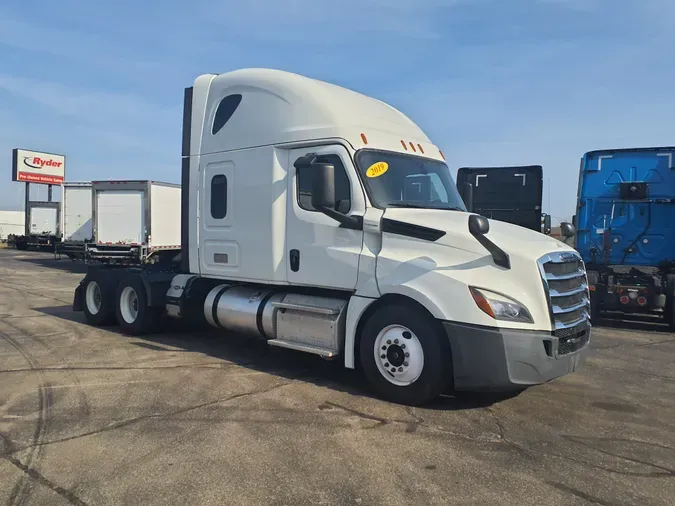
(562, 269)
(573, 338)
(564, 277)
(572, 332)
(563, 285)
(566, 301)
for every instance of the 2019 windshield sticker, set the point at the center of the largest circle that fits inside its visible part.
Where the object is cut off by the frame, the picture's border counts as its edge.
(377, 169)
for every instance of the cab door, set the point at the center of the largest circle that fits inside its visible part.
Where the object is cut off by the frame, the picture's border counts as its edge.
(320, 252)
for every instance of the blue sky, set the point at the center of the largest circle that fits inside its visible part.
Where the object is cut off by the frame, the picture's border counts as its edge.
(492, 82)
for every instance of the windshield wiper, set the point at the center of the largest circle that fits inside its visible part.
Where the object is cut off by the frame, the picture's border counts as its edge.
(401, 204)
(416, 206)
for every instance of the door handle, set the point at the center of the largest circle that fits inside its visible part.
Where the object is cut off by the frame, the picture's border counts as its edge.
(295, 260)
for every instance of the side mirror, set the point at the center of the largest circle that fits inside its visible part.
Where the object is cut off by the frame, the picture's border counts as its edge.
(567, 230)
(323, 190)
(323, 186)
(478, 225)
(547, 224)
(467, 196)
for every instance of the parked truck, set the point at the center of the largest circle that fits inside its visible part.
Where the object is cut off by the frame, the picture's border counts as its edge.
(76, 219)
(626, 229)
(512, 194)
(301, 225)
(134, 222)
(41, 229)
(11, 223)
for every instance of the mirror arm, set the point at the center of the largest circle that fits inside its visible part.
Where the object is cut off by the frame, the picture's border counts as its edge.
(478, 227)
(351, 222)
(499, 256)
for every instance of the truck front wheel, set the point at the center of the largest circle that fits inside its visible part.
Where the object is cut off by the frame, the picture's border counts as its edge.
(405, 355)
(133, 313)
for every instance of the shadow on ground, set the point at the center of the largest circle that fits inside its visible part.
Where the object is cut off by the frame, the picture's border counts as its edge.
(256, 355)
(636, 322)
(63, 264)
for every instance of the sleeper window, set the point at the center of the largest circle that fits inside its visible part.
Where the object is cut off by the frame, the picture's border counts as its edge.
(224, 112)
(218, 196)
(343, 202)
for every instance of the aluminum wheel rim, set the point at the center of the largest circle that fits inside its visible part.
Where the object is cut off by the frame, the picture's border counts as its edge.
(399, 355)
(93, 297)
(129, 304)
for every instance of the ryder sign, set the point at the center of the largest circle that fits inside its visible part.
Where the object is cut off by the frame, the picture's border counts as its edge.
(36, 167)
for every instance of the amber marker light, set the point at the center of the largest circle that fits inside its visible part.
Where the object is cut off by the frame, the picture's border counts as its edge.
(482, 302)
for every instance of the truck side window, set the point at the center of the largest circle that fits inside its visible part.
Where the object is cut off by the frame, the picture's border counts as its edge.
(343, 201)
(218, 196)
(224, 112)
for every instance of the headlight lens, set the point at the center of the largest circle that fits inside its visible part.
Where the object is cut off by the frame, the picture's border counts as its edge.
(500, 307)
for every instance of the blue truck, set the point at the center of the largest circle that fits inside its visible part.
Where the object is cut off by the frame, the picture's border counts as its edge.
(625, 225)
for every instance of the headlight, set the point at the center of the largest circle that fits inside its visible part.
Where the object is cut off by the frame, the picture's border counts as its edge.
(500, 307)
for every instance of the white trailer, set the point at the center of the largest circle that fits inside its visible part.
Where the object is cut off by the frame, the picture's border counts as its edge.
(41, 228)
(43, 218)
(76, 219)
(134, 221)
(12, 223)
(304, 224)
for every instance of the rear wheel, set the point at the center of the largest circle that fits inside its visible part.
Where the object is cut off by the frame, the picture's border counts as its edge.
(405, 355)
(133, 314)
(99, 301)
(595, 309)
(669, 310)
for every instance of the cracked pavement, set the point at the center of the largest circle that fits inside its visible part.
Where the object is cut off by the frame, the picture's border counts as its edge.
(89, 416)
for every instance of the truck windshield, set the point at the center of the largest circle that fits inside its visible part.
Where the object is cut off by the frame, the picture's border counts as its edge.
(399, 180)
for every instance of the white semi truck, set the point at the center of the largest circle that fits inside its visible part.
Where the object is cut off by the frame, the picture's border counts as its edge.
(325, 221)
(76, 219)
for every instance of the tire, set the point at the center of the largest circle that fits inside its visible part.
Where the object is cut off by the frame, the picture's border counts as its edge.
(428, 372)
(669, 310)
(99, 300)
(133, 314)
(595, 309)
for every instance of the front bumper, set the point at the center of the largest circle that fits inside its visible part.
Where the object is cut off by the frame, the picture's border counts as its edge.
(487, 358)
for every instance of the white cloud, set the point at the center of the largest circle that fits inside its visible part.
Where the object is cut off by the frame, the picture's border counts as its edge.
(94, 106)
(103, 134)
(89, 50)
(491, 81)
(322, 22)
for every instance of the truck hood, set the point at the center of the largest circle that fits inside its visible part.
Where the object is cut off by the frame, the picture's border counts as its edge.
(438, 273)
(514, 240)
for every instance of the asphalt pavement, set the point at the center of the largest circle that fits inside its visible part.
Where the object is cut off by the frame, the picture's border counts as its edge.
(89, 416)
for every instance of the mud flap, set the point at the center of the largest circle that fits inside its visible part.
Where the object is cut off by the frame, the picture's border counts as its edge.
(77, 298)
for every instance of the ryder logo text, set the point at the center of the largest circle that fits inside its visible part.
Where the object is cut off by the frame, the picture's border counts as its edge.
(35, 162)
(38, 167)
